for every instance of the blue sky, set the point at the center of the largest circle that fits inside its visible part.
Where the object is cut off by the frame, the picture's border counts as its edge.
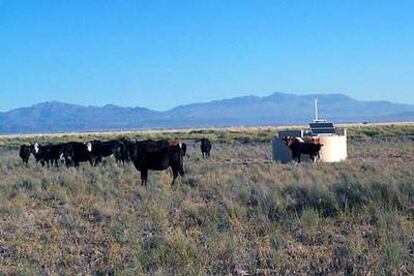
(159, 54)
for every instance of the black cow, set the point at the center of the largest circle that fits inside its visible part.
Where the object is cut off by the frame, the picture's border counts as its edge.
(47, 154)
(76, 152)
(121, 151)
(101, 149)
(157, 155)
(39, 153)
(24, 153)
(299, 146)
(205, 147)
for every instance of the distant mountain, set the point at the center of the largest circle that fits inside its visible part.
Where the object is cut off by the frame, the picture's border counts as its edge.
(275, 109)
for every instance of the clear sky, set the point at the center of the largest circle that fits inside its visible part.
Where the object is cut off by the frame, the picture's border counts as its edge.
(159, 54)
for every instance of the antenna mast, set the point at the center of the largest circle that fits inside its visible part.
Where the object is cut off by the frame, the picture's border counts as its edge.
(316, 109)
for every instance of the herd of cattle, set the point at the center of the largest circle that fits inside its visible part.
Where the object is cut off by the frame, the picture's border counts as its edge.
(145, 155)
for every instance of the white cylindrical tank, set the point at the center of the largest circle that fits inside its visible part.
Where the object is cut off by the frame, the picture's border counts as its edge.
(334, 148)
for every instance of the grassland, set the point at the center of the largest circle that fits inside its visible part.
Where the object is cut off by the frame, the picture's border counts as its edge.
(234, 213)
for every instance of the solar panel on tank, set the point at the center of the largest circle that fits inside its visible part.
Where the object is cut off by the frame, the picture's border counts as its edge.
(322, 128)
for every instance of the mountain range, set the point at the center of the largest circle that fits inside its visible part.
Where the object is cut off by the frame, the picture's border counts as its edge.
(275, 109)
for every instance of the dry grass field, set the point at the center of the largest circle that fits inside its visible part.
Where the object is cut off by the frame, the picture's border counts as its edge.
(235, 213)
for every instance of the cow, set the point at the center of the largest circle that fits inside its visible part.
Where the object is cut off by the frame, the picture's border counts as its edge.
(121, 151)
(24, 153)
(305, 145)
(39, 153)
(157, 155)
(75, 152)
(205, 147)
(108, 148)
(47, 154)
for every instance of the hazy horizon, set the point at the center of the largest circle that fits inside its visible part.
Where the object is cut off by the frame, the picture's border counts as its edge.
(189, 103)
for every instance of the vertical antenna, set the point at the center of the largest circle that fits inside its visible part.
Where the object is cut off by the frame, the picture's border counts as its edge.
(316, 109)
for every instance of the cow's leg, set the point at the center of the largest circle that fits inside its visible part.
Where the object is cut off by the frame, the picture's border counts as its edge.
(181, 170)
(67, 161)
(95, 160)
(294, 156)
(175, 174)
(144, 177)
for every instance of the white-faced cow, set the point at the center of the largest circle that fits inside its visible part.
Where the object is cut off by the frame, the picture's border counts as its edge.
(75, 152)
(304, 145)
(47, 154)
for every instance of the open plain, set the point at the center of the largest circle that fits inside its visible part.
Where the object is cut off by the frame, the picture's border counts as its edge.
(236, 212)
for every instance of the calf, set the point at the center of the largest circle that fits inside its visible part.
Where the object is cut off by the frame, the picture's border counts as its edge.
(306, 145)
(157, 155)
(205, 147)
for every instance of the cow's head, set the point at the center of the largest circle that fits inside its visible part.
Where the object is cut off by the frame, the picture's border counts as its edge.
(62, 157)
(36, 147)
(174, 143)
(299, 139)
(288, 140)
(89, 146)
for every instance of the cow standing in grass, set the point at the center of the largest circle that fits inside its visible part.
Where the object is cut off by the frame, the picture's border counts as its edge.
(24, 153)
(47, 154)
(117, 148)
(100, 149)
(75, 152)
(205, 147)
(157, 155)
(121, 151)
(305, 145)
